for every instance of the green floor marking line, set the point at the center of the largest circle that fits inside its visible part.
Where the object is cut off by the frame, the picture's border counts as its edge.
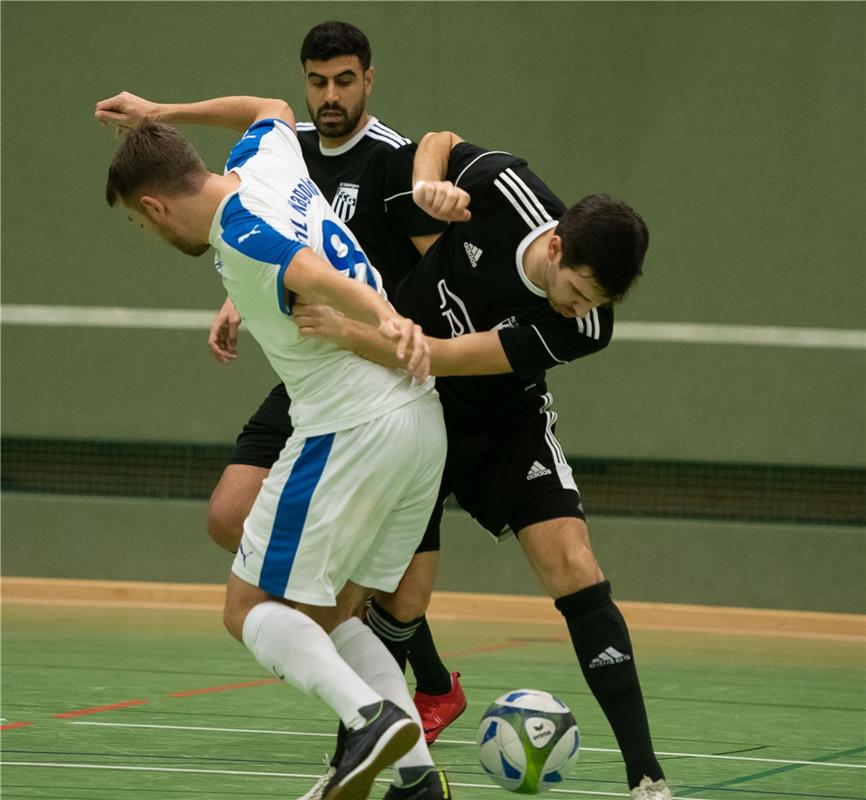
(768, 772)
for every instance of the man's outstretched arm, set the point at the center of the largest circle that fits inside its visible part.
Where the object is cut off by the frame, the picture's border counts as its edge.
(126, 110)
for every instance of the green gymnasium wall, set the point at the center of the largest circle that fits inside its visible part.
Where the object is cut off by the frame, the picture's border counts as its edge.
(737, 129)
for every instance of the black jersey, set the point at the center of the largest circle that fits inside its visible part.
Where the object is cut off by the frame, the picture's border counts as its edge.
(472, 280)
(368, 182)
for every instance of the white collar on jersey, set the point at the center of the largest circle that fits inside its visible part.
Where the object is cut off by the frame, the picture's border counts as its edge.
(346, 146)
(521, 250)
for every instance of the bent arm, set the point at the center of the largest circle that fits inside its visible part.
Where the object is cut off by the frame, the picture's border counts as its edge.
(316, 281)
(438, 197)
(237, 113)
(309, 276)
(431, 157)
(471, 354)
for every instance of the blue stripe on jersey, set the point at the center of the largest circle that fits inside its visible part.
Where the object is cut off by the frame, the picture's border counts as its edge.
(251, 235)
(292, 514)
(250, 142)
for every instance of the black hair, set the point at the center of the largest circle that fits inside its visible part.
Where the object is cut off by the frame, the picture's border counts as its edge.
(331, 39)
(607, 236)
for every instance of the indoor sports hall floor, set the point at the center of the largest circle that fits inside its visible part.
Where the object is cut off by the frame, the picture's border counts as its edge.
(142, 703)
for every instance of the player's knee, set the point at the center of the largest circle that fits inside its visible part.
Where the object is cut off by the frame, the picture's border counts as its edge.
(406, 604)
(577, 570)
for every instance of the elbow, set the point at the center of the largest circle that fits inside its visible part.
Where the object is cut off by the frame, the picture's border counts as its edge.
(447, 139)
(274, 108)
(282, 108)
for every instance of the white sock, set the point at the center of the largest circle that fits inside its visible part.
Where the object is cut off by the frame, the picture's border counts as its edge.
(366, 654)
(299, 652)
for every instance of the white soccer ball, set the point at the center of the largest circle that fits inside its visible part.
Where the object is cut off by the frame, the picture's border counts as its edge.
(527, 741)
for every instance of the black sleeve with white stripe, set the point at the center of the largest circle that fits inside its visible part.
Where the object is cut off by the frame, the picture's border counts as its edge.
(501, 185)
(538, 346)
(471, 167)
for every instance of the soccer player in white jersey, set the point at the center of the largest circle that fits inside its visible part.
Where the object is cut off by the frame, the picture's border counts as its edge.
(364, 168)
(345, 505)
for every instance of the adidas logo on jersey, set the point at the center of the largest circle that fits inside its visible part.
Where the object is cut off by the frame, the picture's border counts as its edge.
(537, 470)
(608, 656)
(473, 253)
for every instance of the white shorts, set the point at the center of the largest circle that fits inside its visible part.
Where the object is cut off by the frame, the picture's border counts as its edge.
(345, 506)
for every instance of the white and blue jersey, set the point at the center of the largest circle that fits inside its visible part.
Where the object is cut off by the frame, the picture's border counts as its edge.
(276, 212)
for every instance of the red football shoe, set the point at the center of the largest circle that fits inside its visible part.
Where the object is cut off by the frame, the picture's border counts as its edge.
(438, 711)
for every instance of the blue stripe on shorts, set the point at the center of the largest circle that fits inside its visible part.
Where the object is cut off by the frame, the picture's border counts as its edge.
(292, 514)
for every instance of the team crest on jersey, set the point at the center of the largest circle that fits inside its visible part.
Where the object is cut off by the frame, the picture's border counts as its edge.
(346, 201)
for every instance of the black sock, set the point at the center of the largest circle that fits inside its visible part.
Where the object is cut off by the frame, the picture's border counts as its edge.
(395, 635)
(431, 675)
(603, 647)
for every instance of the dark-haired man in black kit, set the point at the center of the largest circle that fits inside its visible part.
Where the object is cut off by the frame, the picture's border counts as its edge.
(515, 285)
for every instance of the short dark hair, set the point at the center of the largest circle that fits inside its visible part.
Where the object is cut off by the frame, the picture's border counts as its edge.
(331, 39)
(154, 156)
(607, 236)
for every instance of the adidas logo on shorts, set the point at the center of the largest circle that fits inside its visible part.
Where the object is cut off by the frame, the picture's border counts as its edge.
(608, 656)
(537, 470)
(473, 253)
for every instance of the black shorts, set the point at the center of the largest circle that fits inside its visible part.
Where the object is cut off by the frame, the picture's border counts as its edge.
(512, 476)
(265, 434)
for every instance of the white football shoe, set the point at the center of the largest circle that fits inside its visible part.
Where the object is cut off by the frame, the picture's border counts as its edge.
(651, 790)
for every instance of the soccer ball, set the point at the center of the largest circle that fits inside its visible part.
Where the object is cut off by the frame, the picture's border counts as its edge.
(527, 741)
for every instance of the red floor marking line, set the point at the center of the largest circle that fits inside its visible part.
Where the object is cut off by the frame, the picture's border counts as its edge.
(9, 725)
(99, 709)
(225, 688)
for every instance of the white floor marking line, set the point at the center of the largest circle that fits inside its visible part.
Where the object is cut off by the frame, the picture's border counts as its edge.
(259, 774)
(762, 335)
(107, 317)
(472, 741)
(674, 332)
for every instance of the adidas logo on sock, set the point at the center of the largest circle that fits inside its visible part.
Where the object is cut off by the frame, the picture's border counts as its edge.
(608, 656)
(537, 470)
(473, 253)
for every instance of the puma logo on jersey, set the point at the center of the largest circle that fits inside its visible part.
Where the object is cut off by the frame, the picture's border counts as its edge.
(473, 253)
(247, 235)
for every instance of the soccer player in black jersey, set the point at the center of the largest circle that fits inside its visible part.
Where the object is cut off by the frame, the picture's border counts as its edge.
(515, 285)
